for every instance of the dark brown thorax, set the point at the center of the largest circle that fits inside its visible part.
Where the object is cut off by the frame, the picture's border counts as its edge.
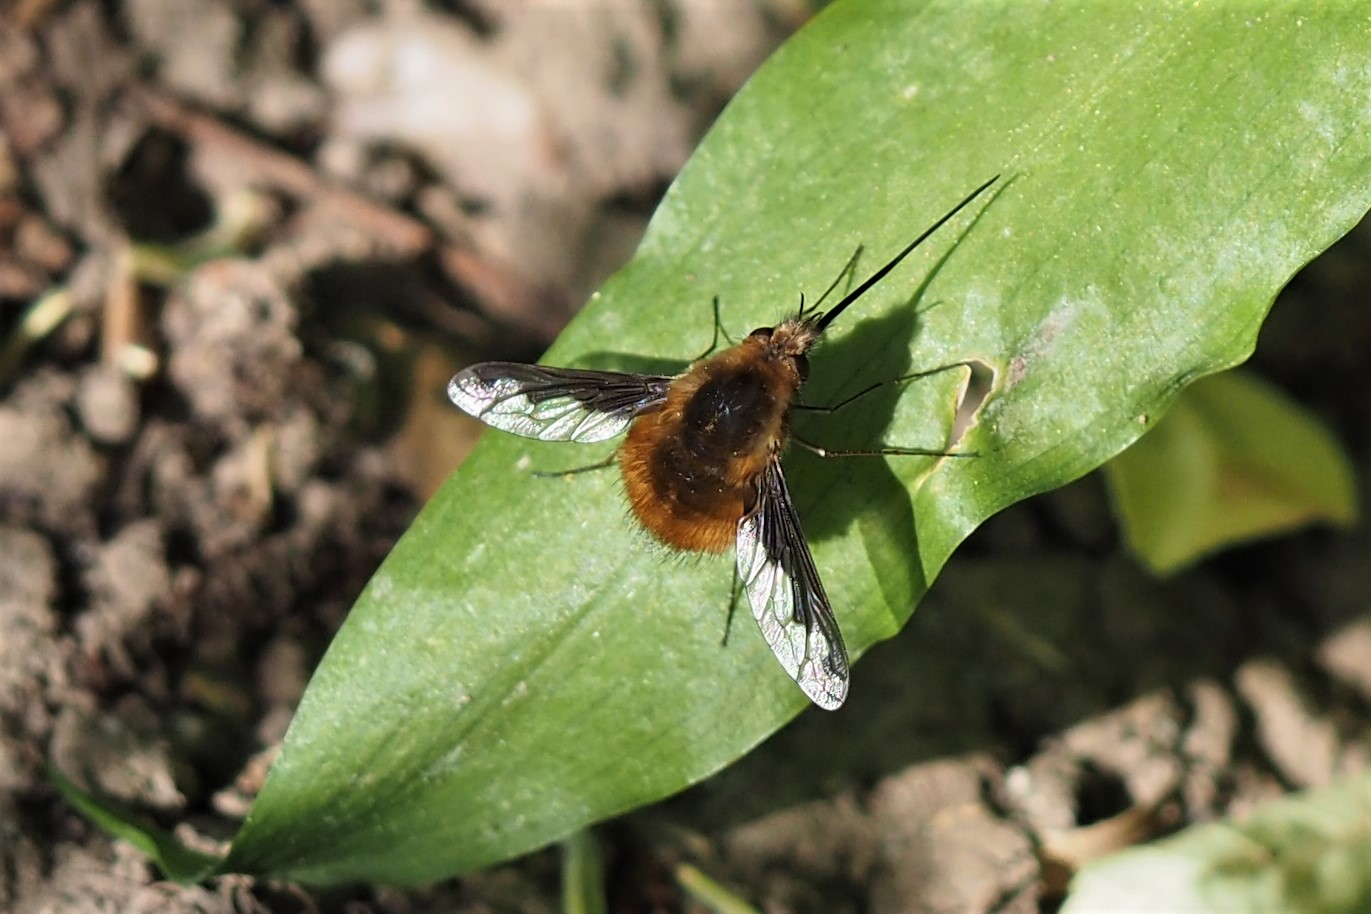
(690, 466)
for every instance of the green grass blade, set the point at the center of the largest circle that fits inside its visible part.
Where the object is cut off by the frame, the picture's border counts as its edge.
(178, 862)
(583, 875)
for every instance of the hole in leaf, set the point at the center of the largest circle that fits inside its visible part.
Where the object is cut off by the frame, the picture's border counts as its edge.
(981, 383)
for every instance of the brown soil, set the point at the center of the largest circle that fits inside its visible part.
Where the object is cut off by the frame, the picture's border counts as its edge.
(238, 259)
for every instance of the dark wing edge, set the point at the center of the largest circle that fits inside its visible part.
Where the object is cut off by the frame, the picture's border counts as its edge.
(787, 597)
(554, 404)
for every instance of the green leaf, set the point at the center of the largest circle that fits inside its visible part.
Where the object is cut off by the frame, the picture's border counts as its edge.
(179, 862)
(526, 662)
(1306, 854)
(1234, 459)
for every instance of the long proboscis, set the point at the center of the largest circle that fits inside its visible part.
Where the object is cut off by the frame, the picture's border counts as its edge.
(828, 316)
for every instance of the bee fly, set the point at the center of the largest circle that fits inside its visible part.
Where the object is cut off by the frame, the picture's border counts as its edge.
(702, 462)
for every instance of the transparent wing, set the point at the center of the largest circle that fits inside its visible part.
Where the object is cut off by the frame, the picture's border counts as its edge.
(787, 597)
(554, 404)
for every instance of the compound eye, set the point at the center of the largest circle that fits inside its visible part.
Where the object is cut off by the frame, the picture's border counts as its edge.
(802, 367)
(762, 332)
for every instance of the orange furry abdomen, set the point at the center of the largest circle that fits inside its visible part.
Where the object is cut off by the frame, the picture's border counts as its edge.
(689, 469)
(705, 524)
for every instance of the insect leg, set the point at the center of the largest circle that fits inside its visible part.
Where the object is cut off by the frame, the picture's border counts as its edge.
(848, 271)
(718, 332)
(902, 379)
(819, 451)
(732, 604)
(600, 465)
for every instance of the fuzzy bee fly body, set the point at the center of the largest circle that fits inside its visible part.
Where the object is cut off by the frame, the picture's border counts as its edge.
(691, 467)
(701, 464)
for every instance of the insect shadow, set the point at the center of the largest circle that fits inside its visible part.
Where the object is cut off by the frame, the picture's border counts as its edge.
(701, 463)
(833, 493)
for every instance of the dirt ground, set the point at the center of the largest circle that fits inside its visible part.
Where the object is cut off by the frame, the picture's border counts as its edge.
(240, 252)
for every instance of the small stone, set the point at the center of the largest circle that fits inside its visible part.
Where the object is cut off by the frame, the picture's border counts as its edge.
(107, 403)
